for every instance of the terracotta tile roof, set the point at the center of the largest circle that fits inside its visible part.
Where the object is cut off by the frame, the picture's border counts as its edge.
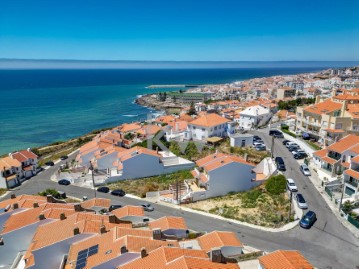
(355, 159)
(352, 173)
(218, 239)
(185, 117)
(217, 160)
(148, 130)
(194, 173)
(346, 97)
(209, 120)
(21, 198)
(24, 155)
(199, 263)
(355, 149)
(203, 178)
(168, 222)
(334, 130)
(321, 153)
(128, 210)
(353, 110)
(165, 119)
(159, 258)
(8, 162)
(285, 259)
(129, 127)
(136, 243)
(130, 231)
(324, 107)
(127, 154)
(344, 143)
(179, 126)
(345, 164)
(100, 202)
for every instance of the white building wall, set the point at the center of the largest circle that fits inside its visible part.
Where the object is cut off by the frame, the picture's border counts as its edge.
(231, 177)
(107, 161)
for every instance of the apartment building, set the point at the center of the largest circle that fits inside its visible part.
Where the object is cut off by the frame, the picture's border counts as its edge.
(285, 92)
(329, 120)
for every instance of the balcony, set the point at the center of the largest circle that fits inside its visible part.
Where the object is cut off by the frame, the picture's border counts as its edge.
(351, 181)
(334, 155)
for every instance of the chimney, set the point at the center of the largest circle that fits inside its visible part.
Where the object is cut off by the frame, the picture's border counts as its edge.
(7, 208)
(10, 155)
(123, 249)
(62, 216)
(143, 252)
(28, 149)
(13, 196)
(216, 255)
(15, 206)
(76, 231)
(103, 229)
(41, 217)
(50, 199)
(156, 234)
(35, 205)
(78, 207)
(113, 219)
(344, 107)
(1, 241)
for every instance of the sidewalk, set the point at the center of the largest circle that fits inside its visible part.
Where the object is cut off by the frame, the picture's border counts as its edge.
(301, 143)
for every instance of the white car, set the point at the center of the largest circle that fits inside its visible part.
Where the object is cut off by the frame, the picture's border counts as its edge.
(305, 170)
(302, 204)
(291, 185)
(258, 142)
(290, 143)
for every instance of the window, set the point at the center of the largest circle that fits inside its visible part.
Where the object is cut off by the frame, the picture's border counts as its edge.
(203, 129)
(215, 128)
(336, 113)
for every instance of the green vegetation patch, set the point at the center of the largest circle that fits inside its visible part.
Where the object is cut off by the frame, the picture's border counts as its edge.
(276, 184)
(140, 186)
(2, 191)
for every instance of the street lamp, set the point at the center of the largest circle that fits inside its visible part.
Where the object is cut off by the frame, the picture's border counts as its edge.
(272, 146)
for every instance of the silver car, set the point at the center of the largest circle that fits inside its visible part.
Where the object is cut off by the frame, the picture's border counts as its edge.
(300, 201)
(305, 170)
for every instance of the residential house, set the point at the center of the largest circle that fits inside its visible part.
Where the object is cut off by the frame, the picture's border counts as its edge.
(135, 214)
(139, 162)
(284, 259)
(28, 161)
(227, 242)
(10, 172)
(171, 227)
(241, 140)
(285, 92)
(206, 126)
(176, 130)
(254, 116)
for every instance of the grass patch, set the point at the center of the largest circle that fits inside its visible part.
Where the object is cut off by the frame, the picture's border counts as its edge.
(313, 145)
(2, 191)
(256, 206)
(276, 184)
(140, 186)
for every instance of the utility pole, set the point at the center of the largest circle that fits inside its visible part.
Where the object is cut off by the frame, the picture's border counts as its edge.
(93, 178)
(341, 198)
(290, 204)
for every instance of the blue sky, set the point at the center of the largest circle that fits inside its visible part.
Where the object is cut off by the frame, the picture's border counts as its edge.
(183, 30)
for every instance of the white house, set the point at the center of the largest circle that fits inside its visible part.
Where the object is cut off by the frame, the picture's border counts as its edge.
(241, 140)
(206, 126)
(141, 162)
(28, 161)
(10, 172)
(254, 116)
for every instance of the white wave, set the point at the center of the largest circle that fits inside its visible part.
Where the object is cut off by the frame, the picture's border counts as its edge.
(129, 115)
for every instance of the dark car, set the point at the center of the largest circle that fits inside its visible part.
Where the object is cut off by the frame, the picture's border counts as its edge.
(64, 157)
(147, 207)
(118, 193)
(308, 220)
(278, 134)
(103, 189)
(285, 142)
(299, 155)
(50, 163)
(280, 163)
(64, 182)
(274, 132)
(293, 148)
(256, 137)
(113, 207)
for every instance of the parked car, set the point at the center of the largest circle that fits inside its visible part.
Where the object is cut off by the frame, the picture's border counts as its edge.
(299, 155)
(50, 163)
(276, 133)
(308, 220)
(299, 151)
(258, 142)
(147, 207)
(260, 147)
(291, 185)
(113, 207)
(280, 163)
(64, 182)
(118, 192)
(305, 170)
(64, 157)
(256, 138)
(285, 142)
(300, 201)
(103, 189)
(289, 143)
(293, 147)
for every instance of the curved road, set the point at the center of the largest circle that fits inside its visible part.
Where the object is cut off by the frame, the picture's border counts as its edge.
(328, 244)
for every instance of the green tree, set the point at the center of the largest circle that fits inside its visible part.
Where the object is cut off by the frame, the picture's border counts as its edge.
(276, 184)
(192, 110)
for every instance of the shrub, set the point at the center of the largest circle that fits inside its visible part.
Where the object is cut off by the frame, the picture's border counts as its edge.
(276, 184)
(52, 192)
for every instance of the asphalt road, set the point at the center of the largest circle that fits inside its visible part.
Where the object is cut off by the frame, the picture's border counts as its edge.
(328, 244)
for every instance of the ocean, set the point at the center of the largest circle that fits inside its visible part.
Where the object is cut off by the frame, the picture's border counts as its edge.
(39, 106)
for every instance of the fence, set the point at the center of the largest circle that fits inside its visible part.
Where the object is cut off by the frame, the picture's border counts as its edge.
(328, 191)
(353, 221)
